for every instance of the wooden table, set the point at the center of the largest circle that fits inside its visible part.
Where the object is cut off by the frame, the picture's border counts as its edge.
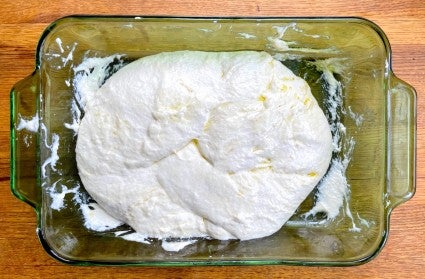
(21, 23)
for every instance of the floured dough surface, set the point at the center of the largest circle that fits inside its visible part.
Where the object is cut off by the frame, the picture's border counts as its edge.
(194, 144)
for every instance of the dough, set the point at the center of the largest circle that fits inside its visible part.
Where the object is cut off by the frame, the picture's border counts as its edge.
(194, 144)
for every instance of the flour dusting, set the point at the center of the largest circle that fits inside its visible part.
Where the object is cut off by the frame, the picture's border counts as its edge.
(58, 197)
(70, 55)
(334, 189)
(95, 218)
(246, 35)
(59, 42)
(76, 118)
(31, 125)
(91, 74)
(278, 43)
(53, 147)
(133, 236)
(175, 246)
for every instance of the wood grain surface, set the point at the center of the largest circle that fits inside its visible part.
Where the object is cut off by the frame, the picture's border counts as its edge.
(22, 22)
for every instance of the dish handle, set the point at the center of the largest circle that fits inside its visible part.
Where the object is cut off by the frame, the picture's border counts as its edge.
(401, 160)
(24, 127)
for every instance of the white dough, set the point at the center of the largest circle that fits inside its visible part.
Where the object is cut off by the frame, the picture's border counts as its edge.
(194, 144)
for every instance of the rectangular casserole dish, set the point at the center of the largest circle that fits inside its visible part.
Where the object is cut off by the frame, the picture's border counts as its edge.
(381, 173)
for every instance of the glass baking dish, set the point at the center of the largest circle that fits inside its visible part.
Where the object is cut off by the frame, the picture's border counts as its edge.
(381, 173)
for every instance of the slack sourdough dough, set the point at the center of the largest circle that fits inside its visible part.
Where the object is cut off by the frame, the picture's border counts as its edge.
(194, 144)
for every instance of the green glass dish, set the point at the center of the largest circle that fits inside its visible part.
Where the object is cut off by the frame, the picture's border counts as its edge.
(381, 173)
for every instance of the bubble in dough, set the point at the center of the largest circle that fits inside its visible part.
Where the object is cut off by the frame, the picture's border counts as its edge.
(194, 144)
